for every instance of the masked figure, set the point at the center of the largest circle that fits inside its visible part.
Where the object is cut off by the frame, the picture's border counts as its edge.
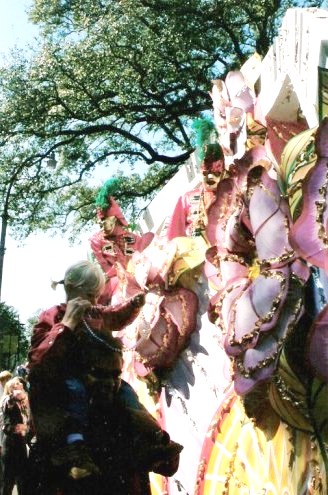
(114, 242)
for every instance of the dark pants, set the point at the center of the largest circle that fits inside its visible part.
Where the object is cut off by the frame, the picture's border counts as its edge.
(58, 409)
(14, 464)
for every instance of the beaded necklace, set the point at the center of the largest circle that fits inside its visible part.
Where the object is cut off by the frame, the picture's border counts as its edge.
(99, 339)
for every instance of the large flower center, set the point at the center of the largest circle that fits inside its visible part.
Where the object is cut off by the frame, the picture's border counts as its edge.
(255, 269)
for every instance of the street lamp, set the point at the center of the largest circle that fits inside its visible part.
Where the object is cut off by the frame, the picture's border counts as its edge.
(52, 162)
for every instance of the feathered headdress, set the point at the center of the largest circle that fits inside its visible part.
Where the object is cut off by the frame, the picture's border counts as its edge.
(209, 151)
(106, 204)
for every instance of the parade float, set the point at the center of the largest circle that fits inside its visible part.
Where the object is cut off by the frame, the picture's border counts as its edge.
(230, 351)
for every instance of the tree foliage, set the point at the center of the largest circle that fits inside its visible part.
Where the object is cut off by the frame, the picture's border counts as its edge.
(115, 85)
(14, 342)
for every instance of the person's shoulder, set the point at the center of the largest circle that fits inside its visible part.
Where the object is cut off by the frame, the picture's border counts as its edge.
(125, 385)
(128, 396)
(6, 400)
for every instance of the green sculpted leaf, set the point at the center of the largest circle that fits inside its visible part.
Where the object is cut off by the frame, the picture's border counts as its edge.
(318, 406)
(288, 397)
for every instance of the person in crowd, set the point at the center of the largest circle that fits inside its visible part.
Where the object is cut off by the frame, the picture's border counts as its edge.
(16, 428)
(5, 375)
(22, 371)
(58, 397)
(124, 440)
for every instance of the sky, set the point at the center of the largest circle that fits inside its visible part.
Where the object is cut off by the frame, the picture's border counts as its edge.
(14, 26)
(29, 268)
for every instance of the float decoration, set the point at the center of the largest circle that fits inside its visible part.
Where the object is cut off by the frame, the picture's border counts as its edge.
(297, 159)
(309, 232)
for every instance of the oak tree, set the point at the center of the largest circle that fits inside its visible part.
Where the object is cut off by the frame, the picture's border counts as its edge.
(114, 86)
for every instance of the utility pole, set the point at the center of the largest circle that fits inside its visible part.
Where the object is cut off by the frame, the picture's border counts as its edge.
(4, 224)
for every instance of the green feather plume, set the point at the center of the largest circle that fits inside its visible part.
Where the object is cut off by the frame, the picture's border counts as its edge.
(108, 189)
(206, 139)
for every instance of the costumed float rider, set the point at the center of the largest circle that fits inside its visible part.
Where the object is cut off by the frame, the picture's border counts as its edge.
(114, 242)
(190, 214)
(58, 398)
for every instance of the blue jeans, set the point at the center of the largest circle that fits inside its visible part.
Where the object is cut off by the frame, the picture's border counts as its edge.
(77, 401)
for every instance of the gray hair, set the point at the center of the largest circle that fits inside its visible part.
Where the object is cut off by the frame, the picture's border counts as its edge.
(84, 274)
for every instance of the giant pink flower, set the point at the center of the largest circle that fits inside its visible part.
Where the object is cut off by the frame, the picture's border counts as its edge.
(261, 297)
